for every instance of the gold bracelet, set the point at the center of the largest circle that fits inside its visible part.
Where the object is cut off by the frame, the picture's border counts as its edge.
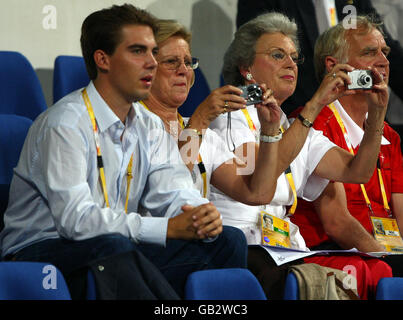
(194, 130)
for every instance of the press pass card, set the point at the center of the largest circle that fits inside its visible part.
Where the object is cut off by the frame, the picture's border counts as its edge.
(275, 231)
(386, 231)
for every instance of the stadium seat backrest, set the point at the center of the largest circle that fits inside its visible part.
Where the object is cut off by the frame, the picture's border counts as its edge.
(223, 284)
(197, 94)
(32, 281)
(13, 130)
(390, 289)
(69, 75)
(291, 290)
(20, 90)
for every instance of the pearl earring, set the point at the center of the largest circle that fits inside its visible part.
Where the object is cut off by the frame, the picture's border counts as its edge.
(249, 76)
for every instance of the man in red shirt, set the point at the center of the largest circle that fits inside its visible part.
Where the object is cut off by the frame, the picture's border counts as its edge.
(340, 217)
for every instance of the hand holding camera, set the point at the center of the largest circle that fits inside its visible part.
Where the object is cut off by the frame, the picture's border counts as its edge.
(360, 79)
(269, 112)
(253, 93)
(333, 85)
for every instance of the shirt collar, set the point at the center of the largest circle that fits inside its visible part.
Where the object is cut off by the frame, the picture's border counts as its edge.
(355, 133)
(103, 113)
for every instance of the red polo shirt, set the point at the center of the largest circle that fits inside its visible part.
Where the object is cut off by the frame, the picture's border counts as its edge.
(390, 160)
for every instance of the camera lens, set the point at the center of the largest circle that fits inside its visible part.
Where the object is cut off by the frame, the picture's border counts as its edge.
(255, 94)
(364, 80)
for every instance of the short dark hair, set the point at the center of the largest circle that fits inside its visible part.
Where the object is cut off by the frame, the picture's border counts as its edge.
(102, 30)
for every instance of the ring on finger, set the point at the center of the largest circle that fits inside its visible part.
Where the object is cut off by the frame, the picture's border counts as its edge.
(334, 75)
(226, 106)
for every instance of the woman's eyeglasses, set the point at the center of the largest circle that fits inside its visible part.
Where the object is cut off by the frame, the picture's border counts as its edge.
(280, 55)
(174, 63)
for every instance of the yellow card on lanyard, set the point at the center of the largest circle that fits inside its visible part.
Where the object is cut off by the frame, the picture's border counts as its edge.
(275, 231)
(385, 230)
(387, 233)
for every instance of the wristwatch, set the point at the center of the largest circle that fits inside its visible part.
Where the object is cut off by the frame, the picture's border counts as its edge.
(304, 121)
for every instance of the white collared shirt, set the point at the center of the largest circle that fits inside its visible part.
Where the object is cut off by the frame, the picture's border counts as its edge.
(354, 131)
(56, 192)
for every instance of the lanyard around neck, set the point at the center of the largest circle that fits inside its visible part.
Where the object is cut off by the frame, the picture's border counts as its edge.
(350, 148)
(287, 172)
(200, 164)
(99, 155)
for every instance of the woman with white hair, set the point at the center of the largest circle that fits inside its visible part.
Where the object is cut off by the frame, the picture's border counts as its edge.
(265, 50)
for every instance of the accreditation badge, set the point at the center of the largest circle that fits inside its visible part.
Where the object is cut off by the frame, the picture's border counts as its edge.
(386, 232)
(275, 231)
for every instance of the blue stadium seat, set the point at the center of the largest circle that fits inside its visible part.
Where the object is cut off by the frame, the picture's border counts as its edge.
(197, 94)
(13, 130)
(69, 75)
(222, 83)
(32, 281)
(91, 287)
(291, 290)
(20, 90)
(223, 284)
(390, 289)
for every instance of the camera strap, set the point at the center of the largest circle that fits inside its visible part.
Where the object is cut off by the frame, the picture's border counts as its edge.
(129, 173)
(229, 133)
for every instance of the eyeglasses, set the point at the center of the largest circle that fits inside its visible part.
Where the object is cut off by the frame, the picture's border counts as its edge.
(280, 55)
(174, 63)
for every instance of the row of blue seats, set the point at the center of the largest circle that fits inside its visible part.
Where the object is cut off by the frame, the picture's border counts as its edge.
(42, 281)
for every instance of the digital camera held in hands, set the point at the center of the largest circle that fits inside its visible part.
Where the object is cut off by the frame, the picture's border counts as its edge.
(360, 79)
(252, 93)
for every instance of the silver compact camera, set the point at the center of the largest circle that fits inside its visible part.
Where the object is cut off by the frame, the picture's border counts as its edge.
(360, 79)
(252, 94)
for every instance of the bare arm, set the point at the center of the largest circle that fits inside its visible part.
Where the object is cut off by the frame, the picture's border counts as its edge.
(255, 184)
(214, 105)
(339, 224)
(253, 188)
(294, 138)
(255, 179)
